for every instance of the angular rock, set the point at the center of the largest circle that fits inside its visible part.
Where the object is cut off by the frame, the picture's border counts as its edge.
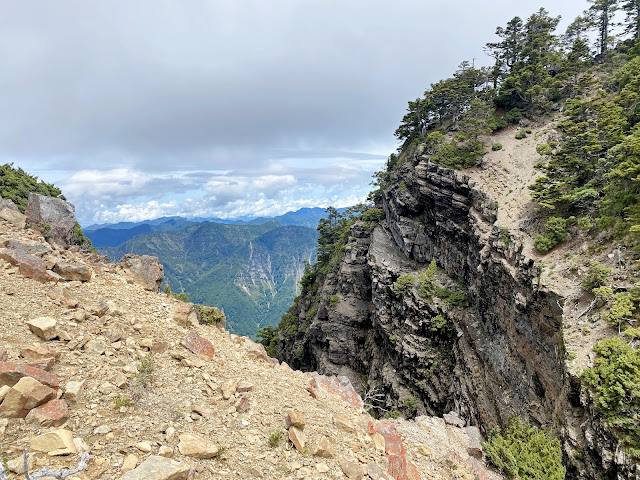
(343, 423)
(73, 391)
(242, 405)
(12, 216)
(57, 442)
(58, 214)
(244, 387)
(199, 345)
(228, 388)
(378, 442)
(130, 462)
(35, 392)
(159, 347)
(144, 447)
(352, 468)
(295, 418)
(8, 203)
(323, 448)
(11, 373)
(184, 314)
(321, 386)
(377, 473)
(453, 419)
(192, 446)
(158, 468)
(44, 327)
(73, 271)
(143, 270)
(37, 249)
(298, 438)
(165, 451)
(16, 465)
(37, 352)
(52, 414)
(29, 265)
(13, 404)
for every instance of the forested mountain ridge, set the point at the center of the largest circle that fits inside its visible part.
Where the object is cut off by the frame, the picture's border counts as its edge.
(251, 271)
(521, 302)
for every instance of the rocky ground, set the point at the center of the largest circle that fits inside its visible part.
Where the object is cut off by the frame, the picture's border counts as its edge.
(93, 359)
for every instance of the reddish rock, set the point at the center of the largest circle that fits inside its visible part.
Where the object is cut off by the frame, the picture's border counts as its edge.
(35, 392)
(3, 355)
(51, 414)
(321, 386)
(73, 271)
(11, 373)
(243, 404)
(199, 345)
(29, 265)
(400, 467)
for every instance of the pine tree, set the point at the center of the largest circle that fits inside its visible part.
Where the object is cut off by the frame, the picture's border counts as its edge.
(632, 20)
(600, 15)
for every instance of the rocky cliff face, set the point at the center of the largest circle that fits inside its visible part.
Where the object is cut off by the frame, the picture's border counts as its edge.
(498, 355)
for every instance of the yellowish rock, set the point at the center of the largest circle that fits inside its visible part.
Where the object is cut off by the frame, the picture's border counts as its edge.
(56, 442)
(297, 437)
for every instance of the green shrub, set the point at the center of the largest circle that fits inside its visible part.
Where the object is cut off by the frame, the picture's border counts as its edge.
(274, 439)
(268, 336)
(402, 284)
(410, 407)
(513, 116)
(427, 280)
(615, 380)
(438, 322)
(544, 149)
(333, 300)
(521, 134)
(496, 146)
(603, 292)
(555, 232)
(585, 223)
(621, 309)
(527, 131)
(393, 414)
(372, 217)
(525, 452)
(78, 238)
(121, 401)
(596, 276)
(209, 315)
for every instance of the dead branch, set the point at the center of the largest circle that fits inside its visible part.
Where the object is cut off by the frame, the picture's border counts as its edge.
(591, 306)
(60, 474)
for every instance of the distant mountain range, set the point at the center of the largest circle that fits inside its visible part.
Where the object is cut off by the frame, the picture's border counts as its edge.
(112, 235)
(249, 268)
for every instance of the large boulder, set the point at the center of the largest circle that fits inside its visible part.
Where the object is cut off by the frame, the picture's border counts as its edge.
(143, 270)
(56, 216)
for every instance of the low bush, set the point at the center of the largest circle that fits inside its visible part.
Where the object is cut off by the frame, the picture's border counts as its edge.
(525, 452)
(615, 381)
(402, 284)
(596, 276)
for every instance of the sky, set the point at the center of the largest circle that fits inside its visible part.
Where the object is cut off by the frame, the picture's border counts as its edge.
(148, 108)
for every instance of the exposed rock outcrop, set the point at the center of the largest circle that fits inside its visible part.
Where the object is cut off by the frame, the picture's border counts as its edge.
(497, 354)
(55, 216)
(144, 270)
